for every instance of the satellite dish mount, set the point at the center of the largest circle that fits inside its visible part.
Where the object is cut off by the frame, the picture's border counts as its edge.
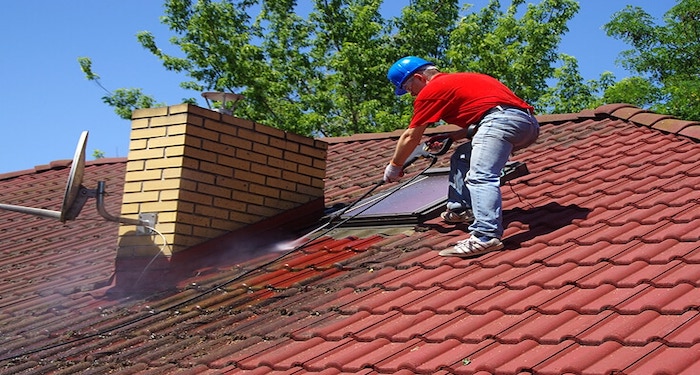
(76, 195)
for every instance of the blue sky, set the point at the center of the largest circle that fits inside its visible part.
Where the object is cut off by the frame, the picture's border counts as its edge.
(47, 102)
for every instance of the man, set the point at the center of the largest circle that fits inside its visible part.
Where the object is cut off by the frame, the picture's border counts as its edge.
(503, 123)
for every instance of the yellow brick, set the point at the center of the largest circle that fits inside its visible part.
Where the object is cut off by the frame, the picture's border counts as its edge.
(198, 176)
(149, 112)
(233, 162)
(178, 129)
(203, 112)
(313, 152)
(200, 154)
(309, 191)
(205, 232)
(251, 156)
(267, 150)
(220, 127)
(313, 172)
(248, 176)
(203, 133)
(319, 164)
(239, 122)
(158, 207)
(218, 148)
(133, 208)
(162, 163)
(166, 228)
(143, 176)
(177, 119)
(167, 217)
(300, 139)
(150, 196)
(295, 197)
(160, 142)
(263, 211)
(196, 198)
(281, 184)
(132, 187)
(265, 170)
(138, 144)
(135, 165)
(244, 218)
(211, 212)
(168, 195)
(139, 123)
(229, 204)
(265, 191)
(215, 169)
(214, 191)
(230, 183)
(182, 107)
(264, 129)
(226, 225)
(247, 197)
(193, 220)
(161, 185)
(147, 133)
(253, 136)
(295, 177)
(297, 158)
(281, 205)
(236, 142)
(146, 154)
(173, 151)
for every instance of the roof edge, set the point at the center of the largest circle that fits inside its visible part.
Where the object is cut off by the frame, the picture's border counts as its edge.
(58, 165)
(384, 135)
(661, 122)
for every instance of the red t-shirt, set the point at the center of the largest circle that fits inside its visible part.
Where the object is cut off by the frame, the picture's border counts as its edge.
(461, 99)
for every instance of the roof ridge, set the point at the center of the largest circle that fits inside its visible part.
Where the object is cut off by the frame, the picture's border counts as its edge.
(642, 117)
(58, 165)
(623, 111)
(384, 135)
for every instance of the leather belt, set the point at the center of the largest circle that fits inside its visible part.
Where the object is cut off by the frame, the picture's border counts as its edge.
(503, 107)
(472, 129)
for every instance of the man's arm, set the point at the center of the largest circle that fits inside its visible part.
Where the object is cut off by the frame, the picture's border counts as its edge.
(409, 140)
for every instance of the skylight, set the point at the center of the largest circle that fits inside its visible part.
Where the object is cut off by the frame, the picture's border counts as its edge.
(410, 204)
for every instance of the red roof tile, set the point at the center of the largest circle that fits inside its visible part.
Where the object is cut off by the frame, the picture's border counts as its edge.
(599, 274)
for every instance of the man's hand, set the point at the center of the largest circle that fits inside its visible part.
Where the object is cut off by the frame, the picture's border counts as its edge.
(392, 173)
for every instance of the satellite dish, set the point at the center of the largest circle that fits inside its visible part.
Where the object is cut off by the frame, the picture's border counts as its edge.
(76, 195)
(69, 211)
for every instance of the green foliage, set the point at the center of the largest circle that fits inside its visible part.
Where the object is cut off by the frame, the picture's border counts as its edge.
(98, 154)
(326, 74)
(124, 101)
(323, 73)
(518, 51)
(664, 57)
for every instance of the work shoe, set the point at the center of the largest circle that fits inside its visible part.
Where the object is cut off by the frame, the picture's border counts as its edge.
(472, 247)
(451, 217)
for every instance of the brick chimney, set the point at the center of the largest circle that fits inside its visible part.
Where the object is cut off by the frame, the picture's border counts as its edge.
(205, 174)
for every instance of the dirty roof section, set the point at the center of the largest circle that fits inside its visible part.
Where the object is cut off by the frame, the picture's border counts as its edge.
(600, 274)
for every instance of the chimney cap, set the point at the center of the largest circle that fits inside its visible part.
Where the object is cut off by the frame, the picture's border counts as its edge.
(222, 97)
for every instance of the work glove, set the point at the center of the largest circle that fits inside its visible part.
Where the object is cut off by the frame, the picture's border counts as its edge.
(392, 173)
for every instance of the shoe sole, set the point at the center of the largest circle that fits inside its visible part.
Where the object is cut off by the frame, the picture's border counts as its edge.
(452, 253)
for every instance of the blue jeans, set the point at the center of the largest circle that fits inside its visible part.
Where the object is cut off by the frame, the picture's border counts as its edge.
(475, 168)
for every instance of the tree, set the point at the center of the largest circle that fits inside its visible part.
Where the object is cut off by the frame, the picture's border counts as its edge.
(124, 101)
(325, 74)
(519, 52)
(664, 57)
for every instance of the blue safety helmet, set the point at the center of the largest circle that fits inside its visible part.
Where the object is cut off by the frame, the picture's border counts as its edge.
(403, 69)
